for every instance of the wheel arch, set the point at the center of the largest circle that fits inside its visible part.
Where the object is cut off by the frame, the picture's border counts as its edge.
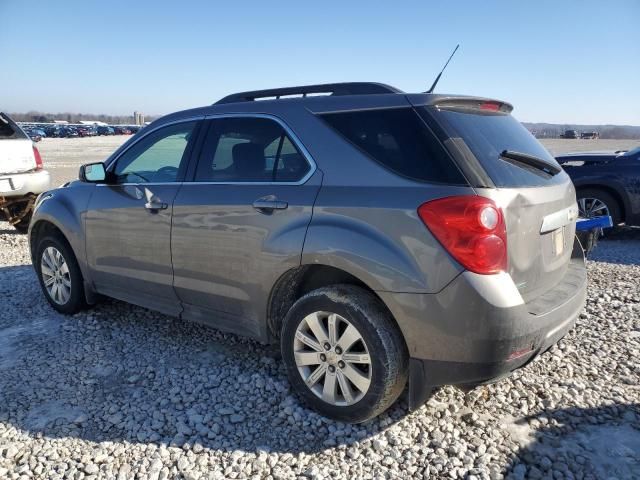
(296, 282)
(43, 227)
(622, 200)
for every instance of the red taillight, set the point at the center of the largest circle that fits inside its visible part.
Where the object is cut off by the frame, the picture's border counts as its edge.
(471, 228)
(492, 106)
(36, 154)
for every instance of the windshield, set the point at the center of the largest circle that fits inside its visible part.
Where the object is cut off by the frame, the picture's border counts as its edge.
(633, 152)
(488, 135)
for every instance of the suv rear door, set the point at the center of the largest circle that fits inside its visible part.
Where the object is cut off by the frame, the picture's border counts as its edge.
(241, 223)
(16, 148)
(537, 196)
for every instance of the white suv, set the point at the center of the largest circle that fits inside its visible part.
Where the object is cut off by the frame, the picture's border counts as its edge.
(22, 176)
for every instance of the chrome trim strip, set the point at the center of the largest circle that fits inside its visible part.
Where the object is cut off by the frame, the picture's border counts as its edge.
(558, 219)
(294, 138)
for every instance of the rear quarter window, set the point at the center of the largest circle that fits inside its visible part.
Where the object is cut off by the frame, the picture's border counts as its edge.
(399, 140)
(9, 130)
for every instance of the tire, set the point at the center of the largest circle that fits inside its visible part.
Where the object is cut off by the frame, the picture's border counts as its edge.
(76, 299)
(615, 210)
(379, 341)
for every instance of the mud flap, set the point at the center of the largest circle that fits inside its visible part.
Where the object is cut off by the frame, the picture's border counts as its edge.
(419, 388)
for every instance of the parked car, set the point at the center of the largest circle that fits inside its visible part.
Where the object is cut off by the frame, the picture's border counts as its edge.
(589, 135)
(68, 132)
(570, 134)
(35, 134)
(378, 237)
(606, 183)
(87, 131)
(22, 175)
(52, 131)
(134, 128)
(120, 130)
(104, 130)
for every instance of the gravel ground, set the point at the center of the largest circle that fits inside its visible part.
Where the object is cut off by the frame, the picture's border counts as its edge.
(121, 392)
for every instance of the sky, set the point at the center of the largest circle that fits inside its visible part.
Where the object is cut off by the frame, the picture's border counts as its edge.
(555, 61)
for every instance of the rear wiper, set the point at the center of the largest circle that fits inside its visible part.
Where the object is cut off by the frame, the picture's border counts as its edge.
(530, 160)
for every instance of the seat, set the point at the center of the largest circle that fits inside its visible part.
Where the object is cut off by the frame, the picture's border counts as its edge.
(249, 162)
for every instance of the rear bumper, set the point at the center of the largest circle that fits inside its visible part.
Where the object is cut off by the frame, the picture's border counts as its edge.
(478, 329)
(20, 184)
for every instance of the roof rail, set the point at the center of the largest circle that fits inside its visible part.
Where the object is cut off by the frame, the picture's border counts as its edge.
(349, 88)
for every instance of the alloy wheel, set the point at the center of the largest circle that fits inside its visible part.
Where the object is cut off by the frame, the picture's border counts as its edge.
(55, 275)
(332, 358)
(592, 207)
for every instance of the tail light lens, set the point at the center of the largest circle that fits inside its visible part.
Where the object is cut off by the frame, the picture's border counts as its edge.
(471, 229)
(36, 154)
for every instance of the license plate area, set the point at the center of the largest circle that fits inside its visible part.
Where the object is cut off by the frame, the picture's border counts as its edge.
(558, 241)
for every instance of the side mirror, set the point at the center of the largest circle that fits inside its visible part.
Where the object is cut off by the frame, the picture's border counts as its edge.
(92, 173)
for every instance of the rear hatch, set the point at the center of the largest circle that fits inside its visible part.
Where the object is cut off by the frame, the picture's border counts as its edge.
(16, 148)
(504, 162)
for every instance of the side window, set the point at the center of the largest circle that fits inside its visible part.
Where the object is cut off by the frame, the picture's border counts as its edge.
(399, 140)
(158, 157)
(250, 150)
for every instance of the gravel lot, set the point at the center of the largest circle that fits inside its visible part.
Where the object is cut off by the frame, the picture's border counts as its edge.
(122, 392)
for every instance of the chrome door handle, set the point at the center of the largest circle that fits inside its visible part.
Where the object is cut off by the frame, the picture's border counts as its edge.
(156, 205)
(261, 204)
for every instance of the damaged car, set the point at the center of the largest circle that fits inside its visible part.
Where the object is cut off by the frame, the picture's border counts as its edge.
(22, 175)
(607, 184)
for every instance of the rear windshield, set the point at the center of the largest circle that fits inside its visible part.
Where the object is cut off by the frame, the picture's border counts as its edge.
(489, 134)
(8, 129)
(399, 140)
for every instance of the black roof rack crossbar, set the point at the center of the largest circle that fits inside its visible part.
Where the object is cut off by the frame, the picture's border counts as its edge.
(351, 88)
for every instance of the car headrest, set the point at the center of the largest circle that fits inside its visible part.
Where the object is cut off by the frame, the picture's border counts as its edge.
(249, 161)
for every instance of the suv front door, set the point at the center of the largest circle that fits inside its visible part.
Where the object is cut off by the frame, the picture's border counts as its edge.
(241, 224)
(128, 219)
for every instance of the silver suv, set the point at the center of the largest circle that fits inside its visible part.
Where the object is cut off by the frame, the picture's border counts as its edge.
(381, 238)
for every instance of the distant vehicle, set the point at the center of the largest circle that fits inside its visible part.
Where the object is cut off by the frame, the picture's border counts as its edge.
(22, 176)
(68, 132)
(87, 131)
(606, 183)
(119, 130)
(35, 134)
(570, 134)
(104, 130)
(589, 135)
(428, 240)
(134, 128)
(52, 131)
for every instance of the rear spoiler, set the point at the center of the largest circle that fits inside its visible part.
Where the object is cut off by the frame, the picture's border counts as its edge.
(461, 102)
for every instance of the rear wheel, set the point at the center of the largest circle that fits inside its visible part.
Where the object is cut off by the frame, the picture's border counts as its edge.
(593, 202)
(59, 275)
(344, 354)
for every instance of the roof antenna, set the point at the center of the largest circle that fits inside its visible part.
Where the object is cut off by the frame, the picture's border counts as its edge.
(435, 82)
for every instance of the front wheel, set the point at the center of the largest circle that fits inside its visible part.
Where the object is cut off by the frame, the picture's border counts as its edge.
(344, 354)
(593, 202)
(59, 275)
